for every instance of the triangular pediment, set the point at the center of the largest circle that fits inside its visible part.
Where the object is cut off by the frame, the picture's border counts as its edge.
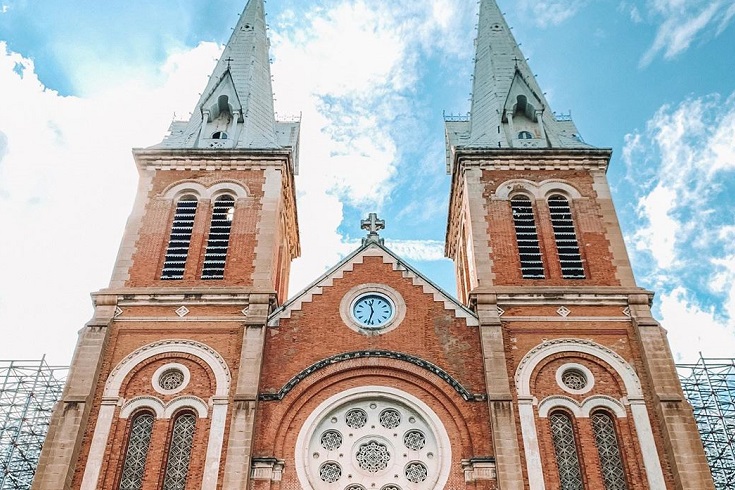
(225, 88)
(521, 99)
(354, 260)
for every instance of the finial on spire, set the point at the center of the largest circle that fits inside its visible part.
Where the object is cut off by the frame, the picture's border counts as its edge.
(372, 224)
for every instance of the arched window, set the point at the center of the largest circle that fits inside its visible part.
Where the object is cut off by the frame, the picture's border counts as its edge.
(525, 135)
(180, 238)
(179, 452)
(136, 453)
(219, 238)
(219, 135)
(565, 447)
(566, 238)
(532, 266)
(611, 463)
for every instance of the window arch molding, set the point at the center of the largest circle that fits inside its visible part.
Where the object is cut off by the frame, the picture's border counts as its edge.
(634, 395)
(536, 191)
(164, 410)
(111, 399)
(180, 189)
(583, 409)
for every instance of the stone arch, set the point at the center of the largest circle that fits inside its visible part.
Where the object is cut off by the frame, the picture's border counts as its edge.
(176, 191)
(536, 191)
(111, 398)
(634, 398)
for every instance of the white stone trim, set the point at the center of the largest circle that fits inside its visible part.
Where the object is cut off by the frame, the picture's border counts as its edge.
(578, 367)
(155, 380)
(327, 280)
(219, 411)
(580, 410)
(632, 383)
(151, 402)
(192, 402)
(541, 191)
(399, 307)
(202, 351)
(362, 392)
(176, 191)
(558, 401)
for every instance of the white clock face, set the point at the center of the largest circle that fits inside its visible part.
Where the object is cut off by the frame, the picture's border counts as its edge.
(372, 311)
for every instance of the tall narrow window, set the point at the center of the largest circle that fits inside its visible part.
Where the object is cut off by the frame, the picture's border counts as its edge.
(607, 447)
(566, 238)
(565, 447)
(532, 266)
(180, 239)
(179, 454)
(137, 452)
(219, 238)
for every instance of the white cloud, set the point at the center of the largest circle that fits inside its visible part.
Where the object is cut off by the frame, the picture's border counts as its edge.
(552, 11)
(67, 182)
(683, 22)
(692, 330)
(682, 171)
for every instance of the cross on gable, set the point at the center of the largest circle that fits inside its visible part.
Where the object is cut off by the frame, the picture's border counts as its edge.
(372, 224)
(229, 59)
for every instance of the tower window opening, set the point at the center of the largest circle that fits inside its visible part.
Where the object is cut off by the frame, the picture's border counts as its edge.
(608, 449)
(532, 266)
(525, 135)
(219, 135)
(565, 448)
(180, 238)
(219, 238)
(567, 245)
(179, 453)
(137, 452)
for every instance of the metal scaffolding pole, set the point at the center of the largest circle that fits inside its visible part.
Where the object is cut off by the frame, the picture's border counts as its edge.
(709, 385)
(28, 392)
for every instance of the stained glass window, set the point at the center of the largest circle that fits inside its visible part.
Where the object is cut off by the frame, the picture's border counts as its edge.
(137, 452)
(179, 454)
(607, 447)
(567, 460)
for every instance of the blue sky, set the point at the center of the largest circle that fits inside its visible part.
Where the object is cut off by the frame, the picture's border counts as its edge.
(83, 82)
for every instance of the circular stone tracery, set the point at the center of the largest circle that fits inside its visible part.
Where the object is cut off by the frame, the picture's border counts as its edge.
(373, 441)
(171, 379)
(574, 379)
(373, 456)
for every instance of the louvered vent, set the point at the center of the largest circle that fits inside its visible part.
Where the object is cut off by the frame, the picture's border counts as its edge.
(532, 267)
(566, 238)
(219, 238)
(178, 243)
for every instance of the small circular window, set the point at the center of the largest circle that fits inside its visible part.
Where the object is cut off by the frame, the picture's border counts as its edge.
(170, 378)
(574, 378)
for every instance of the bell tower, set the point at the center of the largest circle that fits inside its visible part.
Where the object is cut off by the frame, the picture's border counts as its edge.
(582, 387)
(164, 379)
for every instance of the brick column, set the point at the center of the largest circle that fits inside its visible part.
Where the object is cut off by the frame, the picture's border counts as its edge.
(500, 398)
(70, 420)
(242, 425)
(682, 444)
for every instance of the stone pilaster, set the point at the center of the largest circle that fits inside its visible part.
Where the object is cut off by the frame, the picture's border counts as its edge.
(500, 398)
(70, 419)
(682, 444)
(242, 425)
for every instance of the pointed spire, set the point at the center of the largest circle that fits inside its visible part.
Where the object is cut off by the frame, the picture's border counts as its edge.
(235, 109)
(509, 108)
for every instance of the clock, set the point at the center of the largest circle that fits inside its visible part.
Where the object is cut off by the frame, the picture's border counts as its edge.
(372, 311)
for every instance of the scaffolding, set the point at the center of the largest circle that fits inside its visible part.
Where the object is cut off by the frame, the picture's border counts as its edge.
(28, 392)
(709, 385)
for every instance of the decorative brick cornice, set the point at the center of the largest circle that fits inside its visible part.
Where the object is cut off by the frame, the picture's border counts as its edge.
(376, 354)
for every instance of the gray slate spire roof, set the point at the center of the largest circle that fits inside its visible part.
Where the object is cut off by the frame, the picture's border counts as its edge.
(238, 99)
(502, 74)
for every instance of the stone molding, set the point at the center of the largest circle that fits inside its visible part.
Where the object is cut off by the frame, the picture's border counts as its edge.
(479, 469)
(537, 191)
(581, 410)
(349, 356)
(348, 265)
(202, 192)
(164, 410)
(267, 469)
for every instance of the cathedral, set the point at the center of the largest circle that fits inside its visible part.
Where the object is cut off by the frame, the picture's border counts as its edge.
(547, 371)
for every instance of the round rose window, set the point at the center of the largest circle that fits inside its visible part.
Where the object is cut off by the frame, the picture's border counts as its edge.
(373, 442)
